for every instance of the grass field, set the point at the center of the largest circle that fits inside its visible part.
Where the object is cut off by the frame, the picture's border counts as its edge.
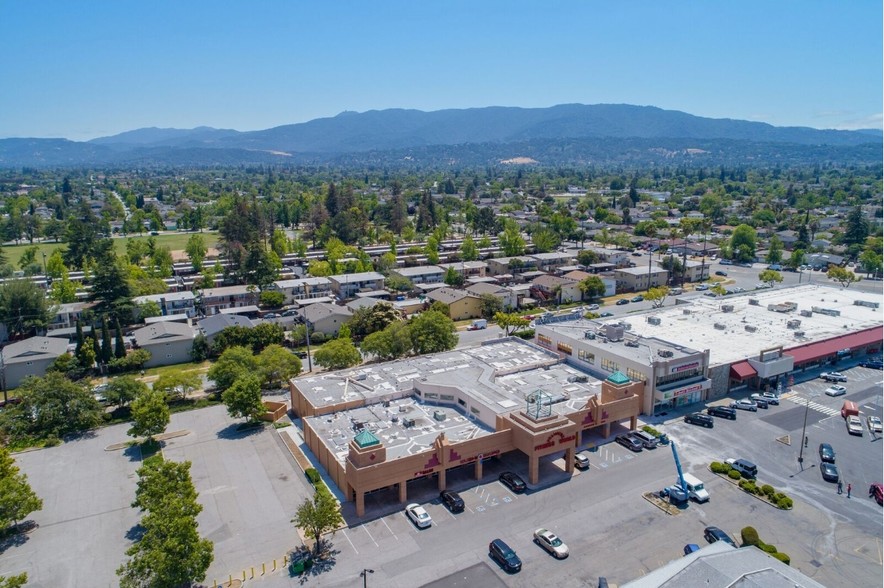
(174, 241)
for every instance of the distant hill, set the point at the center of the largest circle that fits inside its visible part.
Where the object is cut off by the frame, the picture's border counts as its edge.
(381, 136)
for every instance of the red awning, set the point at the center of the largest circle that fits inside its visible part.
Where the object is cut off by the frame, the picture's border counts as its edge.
(742, 370)
(828, 348)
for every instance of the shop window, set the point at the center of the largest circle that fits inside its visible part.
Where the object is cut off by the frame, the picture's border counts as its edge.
(430, 395)
(635, 376)
(544, 340)
(474, 410)
(448, 397)
(609, 365)
(586, 356)
(564, 348)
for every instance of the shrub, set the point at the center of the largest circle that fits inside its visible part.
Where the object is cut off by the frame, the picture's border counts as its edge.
(785, 503)
(733, 474)
(749, 486)
(768, 490)
(51, 442)
(782, 557)
(749, 536)
(526, 334)
(719, 468)
(272, 299)
(313, 475)
(768, 548)
(778, 496)
(651, 431)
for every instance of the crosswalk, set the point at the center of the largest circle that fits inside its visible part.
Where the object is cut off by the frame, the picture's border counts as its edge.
(801, 401)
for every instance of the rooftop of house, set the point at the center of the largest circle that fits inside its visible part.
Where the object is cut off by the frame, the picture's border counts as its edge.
(167, 296)
(464, 264)
(422, 270)
(317, 312)
(33, 348)
(225, 291)
(360, 277)
(285, 284)
(218, 322)
(165, 331)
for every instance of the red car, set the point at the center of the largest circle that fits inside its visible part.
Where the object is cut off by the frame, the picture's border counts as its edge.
(877, 491)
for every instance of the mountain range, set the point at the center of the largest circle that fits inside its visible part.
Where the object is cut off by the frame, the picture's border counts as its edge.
(602, 132)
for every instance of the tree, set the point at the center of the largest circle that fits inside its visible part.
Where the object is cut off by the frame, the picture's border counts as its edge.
(55, 267)
(123, 390)
(856, 228)
(107, 352)
(796, 260)
(841, 275)
(338, 354)
(545, 240)
(453, 278)
(14, 581)
(432, 332)
(23, 308)
(775, 250)
(318, 516)
(871, 262)
(592, 287)
(17, 499)
(770, 277)
(150, 414)
(196, 250)
(110, 286)
(176, 385)
(468, 249)
(511, 240)
(63, 291)
(243, 398)
(392, 342)
(368, 320)
(743, 244)
(119, 343)
(51, 406)
(587, 257)
(134, 360)
(271, 299)
(490, 305)
(233, 363)
(657, 295)
(278, 364)
(510, 322)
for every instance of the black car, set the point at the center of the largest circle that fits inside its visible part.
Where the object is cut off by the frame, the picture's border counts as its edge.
(827, 454)
(724, 412)
(452, 500)
(829, 472)
(512, 481)
(698, 418)
(873, 365)
(505, 556)
(630, 443)
(721, 273)
(713, 534)
(622, 301)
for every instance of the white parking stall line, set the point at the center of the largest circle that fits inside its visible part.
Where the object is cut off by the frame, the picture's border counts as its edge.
(389, 529)
(369, 536)
(350, 542)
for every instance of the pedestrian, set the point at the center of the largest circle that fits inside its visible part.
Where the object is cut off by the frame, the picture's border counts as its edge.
(849, 488)
(839, 486)
(871, 491)
(805, 441)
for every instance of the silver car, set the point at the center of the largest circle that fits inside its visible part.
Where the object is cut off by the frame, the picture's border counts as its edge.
(549, 541)
(745, 405)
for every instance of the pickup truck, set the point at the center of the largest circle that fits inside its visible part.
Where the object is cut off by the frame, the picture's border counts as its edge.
(833, 377)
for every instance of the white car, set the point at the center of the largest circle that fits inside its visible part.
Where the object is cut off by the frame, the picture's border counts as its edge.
(836, 390)
(833, 377)
(762, 286)
(874, 424)
(418, 515)
(549, 541)
(854, 425)
(701, 287)
(592, 307)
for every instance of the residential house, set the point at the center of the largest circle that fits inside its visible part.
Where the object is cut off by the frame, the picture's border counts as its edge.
(461, 304)
(302, 289)
(549, 262)
(422, 274)
(213, 300)
(695, 271)
(67, 315)
(469, 269)
(788, 238)
(824, 260)
(325, 318)
(31, 357)
(609, 282)
(512, 265)
(168, 342)
(506, 296)
(212, 325)
(556, 288)
(635, 279)
(615, 257)
(347, 285)
(171, 303)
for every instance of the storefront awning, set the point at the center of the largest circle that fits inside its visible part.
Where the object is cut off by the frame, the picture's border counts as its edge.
(742, 370)
(830, 347)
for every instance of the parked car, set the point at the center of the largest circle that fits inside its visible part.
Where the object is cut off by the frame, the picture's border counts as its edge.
(702, 287)
(505, 556)
(418, 515)
(638, 298)
(581, 461)
(746, 468)
(874, 424)
(877, 491)
(836, 390)
(745, 405)
(270, 315)
(513, 482)
(630, 443)
(829, 472)
(854, 425)
(875, 364)
(726, 262)
(827, 453)
(606, 314)
(691, 548)
(452, 500)
(713, 534)
(758, 400)
(721, 273)
(762, 286)
(771, 398)
(549, 541)
(636, 253)
(724, 412)
(833, 377)
(622, 301)
(698, 418)
(592, 307)
(291, 312)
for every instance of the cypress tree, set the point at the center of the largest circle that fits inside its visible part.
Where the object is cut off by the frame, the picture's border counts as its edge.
(107, 351)
(120, 345)
(79, 336)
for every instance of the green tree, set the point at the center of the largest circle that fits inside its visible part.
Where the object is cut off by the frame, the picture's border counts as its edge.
(368, 320)
(150, 414)
(796, 260)
(123, 390)
(587, 257)
(775, 250)
(511, 240)
(107, 351)
(55, 267)
(233, 363)
(337, 354)
(319, 269)
(392, 342)
(432, 332)
(591, 287)
(271, 299)
(196, 250)
(110, 287)
(177, 384)
(14, 581)
(468, 249)
(856, 228)
(770, 277)
(17, 499)
(545, 240)
(63, 291)
(278, 364)
(871, 262)
(510, 322)
(490, 305)
(841, 275)
(318, 516)
(51, 406)
(742, 244)
(119, 343)
(657, 295)
(23, 308)
(453, 278)
(243, 398)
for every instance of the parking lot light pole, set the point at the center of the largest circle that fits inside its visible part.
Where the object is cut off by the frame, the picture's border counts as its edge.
(801, 442)
(364, 573)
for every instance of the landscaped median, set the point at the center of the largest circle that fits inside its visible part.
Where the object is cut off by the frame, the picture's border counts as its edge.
(766, 492)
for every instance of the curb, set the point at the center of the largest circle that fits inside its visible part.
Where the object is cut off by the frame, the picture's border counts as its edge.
(737, 484)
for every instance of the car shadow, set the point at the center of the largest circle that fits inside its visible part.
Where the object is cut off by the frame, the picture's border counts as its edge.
(239, 431)
(16, 536)
(135, 532)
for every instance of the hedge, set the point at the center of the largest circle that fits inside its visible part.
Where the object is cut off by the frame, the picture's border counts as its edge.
(750, 537)
(778, 499)
(782, 557)
(313, 475)
(719, 468)
(733, 474)
(651, 431)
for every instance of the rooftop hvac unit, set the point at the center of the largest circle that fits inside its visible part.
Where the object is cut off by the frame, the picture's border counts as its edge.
(754, 302)
(360, 377)
(685, 311)
(579, 379)
(720, 326)
(614, 332)
(807, 313)
(626, 326)
(727, 307)
(408, 422)
(793, 324)
(589, 334)
(439, 415)
(799, 334)
(751, 328)
(394, 418)
(654, 320)
(631, 343)
(665, 352)
(402, 408)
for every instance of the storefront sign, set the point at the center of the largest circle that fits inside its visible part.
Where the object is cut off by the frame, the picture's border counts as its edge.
(686, 390)
(480, 456)
(685, 366)
(554, 439)
(423, 473)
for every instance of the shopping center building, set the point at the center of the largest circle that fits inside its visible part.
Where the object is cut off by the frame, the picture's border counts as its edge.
(388, 424)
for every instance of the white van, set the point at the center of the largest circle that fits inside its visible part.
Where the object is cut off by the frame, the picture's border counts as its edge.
(696, 490)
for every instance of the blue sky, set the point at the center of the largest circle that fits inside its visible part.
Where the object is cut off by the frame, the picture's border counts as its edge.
(87, 69)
